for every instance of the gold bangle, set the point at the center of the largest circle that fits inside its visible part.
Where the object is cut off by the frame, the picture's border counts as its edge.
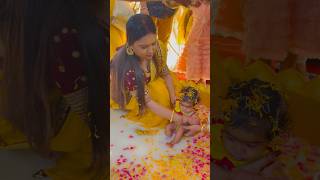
(172, 114)
(146, 91)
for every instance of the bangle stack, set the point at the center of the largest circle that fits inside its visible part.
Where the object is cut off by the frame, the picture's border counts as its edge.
(146, 96)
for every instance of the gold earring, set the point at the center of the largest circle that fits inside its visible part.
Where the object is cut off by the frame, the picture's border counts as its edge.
(158, 50)
(129, 50)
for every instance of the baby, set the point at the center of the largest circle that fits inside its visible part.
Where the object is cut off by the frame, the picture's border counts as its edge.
(190, 108)
(245, 142)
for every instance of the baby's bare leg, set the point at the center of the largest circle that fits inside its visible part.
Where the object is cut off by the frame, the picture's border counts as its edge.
(178, 135)
(169, 129)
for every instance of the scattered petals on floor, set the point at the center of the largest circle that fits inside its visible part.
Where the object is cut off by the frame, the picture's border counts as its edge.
(301, 159)
(192, 162)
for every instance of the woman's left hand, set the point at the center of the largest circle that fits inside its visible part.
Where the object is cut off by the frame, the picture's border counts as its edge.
(192, 130)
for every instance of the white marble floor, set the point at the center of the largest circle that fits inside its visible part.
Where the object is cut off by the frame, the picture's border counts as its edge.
(138, 157)
(21, 164)
(123, 135)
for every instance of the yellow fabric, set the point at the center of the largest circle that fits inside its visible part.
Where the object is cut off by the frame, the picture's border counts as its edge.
(75, 143)
(302, 95)
(260, 71)
(159, 93)
(111, 7)
(112, 2)
(11, 138)
(120, 11)
(117, 39)
(164, 28)
(184, 20)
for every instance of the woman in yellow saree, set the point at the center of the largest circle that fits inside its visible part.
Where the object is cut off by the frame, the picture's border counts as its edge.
(141, 82)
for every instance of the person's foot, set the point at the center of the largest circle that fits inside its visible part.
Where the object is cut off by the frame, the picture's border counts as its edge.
(169, 144)
(168, 131)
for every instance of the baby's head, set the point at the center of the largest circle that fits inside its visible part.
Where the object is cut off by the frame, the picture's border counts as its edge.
(256, 116)
(189, 97)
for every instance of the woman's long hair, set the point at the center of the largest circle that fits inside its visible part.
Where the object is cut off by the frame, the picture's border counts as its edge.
(138, 26)
(28, 28)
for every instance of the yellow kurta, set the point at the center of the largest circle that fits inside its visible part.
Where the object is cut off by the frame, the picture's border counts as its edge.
(117, 39)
